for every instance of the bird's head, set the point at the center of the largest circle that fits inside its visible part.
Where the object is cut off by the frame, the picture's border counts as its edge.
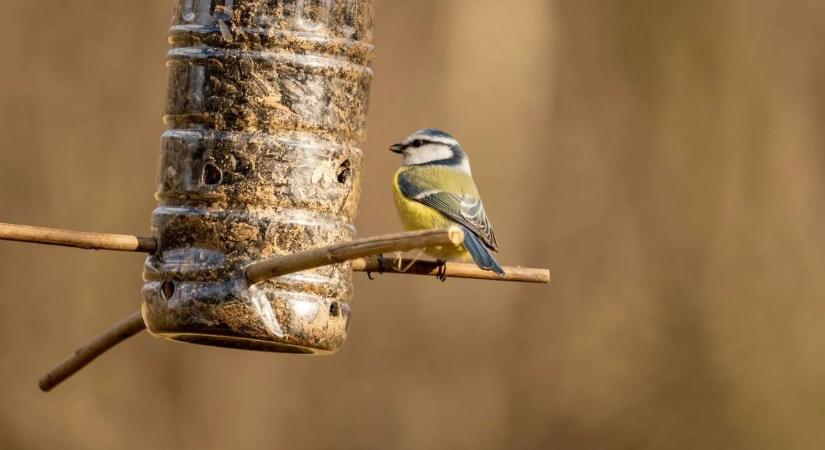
(432, 147)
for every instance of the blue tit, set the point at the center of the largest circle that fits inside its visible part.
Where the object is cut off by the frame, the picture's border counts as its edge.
(434, 188)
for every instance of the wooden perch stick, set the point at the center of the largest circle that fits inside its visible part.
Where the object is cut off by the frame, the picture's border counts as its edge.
(129, 243)
(372, 264)
(86, 354)
(310, 259)
(78, 239)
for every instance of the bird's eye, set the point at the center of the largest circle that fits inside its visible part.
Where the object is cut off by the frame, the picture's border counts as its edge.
(417, 143)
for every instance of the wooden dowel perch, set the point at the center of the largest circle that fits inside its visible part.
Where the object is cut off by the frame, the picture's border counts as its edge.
(361, 252)
(86, 354)
(406, 266)
(78, 239)
(123, 242)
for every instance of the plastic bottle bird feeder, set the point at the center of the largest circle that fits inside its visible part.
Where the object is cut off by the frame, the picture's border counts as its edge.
(258, 184)
(267, 103)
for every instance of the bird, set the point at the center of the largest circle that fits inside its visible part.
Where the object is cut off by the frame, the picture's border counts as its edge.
(434, 188)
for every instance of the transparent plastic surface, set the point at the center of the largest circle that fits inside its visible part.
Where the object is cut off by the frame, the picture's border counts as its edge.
(266, 105)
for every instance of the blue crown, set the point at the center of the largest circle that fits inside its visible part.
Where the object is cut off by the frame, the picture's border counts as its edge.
(434, 132)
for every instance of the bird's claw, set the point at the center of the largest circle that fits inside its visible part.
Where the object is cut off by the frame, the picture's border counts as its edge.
(382, 266)
(441, 275)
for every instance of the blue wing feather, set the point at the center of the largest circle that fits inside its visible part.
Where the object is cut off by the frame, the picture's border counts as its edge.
(482, 257)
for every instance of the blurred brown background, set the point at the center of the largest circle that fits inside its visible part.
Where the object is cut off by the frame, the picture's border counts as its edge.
(663, 158)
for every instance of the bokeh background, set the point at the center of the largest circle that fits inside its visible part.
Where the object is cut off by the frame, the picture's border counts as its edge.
(663, 158)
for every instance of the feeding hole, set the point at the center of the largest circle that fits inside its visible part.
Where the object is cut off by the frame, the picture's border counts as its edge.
(344, 171)
(221, 7)
(167, 288)
(212, 175)
(334, 309)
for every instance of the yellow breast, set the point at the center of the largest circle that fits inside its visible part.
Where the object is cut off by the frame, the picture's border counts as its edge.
(417, 216)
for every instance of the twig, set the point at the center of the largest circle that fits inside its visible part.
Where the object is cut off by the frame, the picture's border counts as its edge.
(282, 265)
(86, 354)
(451, 270)
(78, 239)
(258, 272)
(360, 252)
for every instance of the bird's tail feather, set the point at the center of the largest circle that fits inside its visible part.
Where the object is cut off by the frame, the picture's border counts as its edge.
(481, 255)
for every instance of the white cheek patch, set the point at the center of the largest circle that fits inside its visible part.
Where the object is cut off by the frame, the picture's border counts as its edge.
(426, 154)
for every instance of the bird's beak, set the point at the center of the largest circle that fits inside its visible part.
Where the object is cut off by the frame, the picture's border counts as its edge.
(397, 148)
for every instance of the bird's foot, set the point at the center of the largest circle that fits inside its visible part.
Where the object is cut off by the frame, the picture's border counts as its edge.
(382, 266)
(441, 275)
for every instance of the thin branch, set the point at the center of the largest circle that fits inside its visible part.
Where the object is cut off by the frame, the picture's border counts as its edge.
(372, 264)
(258, 272)
(338, 253)
(86, 354)
(78, 239)
(361, 252)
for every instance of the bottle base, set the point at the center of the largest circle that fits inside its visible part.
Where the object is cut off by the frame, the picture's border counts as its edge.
(242, 343)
